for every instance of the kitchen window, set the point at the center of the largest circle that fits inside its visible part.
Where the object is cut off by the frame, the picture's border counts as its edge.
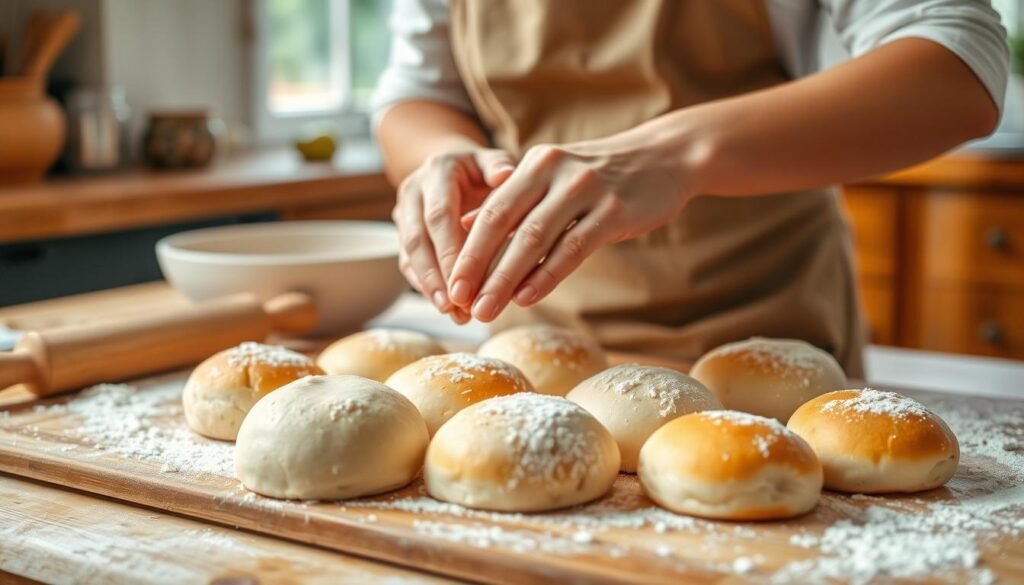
(316, 63)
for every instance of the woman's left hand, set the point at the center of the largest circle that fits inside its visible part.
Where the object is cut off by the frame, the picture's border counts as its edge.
(558, 207)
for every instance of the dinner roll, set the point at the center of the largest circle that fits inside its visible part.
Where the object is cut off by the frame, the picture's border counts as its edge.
(330, 437)
(521, 453)
(768, 377)
(442, 385)
(730, 465)
(870, 442)
(554, 359)
(222, 389)
(633, 400)
(377, 353)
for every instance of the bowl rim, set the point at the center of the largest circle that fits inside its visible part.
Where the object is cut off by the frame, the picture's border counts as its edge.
(171, 246)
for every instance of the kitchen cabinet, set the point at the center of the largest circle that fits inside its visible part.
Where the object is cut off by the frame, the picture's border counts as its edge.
(940, 255)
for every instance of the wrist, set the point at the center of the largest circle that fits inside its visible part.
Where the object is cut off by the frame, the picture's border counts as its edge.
(675, 145)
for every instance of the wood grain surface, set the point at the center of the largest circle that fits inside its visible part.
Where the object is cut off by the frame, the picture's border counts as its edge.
(96, 541)
(621, 539)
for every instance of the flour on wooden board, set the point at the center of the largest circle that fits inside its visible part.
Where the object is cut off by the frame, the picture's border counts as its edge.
(874, 537)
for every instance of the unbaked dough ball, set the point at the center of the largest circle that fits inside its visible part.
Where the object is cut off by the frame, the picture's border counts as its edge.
(377, 353)
(554, 359)
(632, 401)
(222, 389)
(730, 465)
(768, 377)
(442, 385)
(521, 453)
(330, 437)
(871, 441)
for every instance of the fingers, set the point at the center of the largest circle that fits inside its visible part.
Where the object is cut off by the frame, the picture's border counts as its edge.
(420, 261)
(573, 247)
(441, 214)
(469, 219)
(496, 166)
(533, 240)
(499, 216)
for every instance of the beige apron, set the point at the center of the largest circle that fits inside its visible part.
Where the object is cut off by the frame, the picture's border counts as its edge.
(724, 269)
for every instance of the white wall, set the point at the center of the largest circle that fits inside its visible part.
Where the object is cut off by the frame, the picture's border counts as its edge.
(178, 54)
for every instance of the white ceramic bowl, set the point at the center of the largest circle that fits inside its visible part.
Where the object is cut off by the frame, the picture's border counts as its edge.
(349, 267)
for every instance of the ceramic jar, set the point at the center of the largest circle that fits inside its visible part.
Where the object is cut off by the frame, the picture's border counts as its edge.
(31, 130)
(179, 140)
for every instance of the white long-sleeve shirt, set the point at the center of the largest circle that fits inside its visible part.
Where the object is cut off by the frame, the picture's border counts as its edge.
(805, 31)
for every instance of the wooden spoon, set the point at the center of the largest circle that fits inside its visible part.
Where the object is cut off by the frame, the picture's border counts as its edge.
(46, 43)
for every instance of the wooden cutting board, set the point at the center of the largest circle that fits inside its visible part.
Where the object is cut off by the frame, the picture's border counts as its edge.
(100, 443)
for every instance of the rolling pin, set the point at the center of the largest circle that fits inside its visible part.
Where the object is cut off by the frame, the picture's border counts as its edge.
(67, 358)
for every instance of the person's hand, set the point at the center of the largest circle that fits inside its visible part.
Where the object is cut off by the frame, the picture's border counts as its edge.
(560, 205)
(429, 207)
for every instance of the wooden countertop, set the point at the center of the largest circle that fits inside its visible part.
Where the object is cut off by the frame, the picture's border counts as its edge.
(52, 535)
(40, 517)
(257, 181)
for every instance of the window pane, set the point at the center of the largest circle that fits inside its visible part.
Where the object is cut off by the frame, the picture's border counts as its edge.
(370, 42)
(305, 69)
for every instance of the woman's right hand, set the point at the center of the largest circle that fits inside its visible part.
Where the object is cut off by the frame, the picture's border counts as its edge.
(430, 204)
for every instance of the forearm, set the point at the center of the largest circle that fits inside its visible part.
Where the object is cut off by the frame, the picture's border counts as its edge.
(411, 132)
(899, 105)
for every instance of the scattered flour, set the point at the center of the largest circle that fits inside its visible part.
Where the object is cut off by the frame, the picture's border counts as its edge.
(250, 352)
(777, 354)
(541, 432)
(126, 421)
(865, 538)
(560, 345)
(876, 402)
(674, 392)
(772, 430)
(461, 367)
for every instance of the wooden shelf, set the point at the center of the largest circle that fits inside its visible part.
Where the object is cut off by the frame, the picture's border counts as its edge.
(257, 181)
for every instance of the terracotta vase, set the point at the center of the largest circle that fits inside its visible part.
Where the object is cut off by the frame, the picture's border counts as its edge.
(31, 130)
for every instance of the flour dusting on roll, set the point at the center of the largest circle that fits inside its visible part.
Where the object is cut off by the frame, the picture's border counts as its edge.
(554, 359)
(632, 401)
(768, 377)
(442, 385)
(730, 465)
(526, 452)
(221, 390)
(871, 441)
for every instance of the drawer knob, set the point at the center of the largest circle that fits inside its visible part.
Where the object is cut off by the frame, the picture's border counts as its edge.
(997, 239)
(990, 331)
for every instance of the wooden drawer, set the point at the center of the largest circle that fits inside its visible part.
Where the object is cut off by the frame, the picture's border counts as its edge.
(968, 238)
(873, 215)
(878, 301)
(963, 318)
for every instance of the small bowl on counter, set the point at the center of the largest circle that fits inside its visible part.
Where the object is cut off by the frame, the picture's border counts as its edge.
(350, 268)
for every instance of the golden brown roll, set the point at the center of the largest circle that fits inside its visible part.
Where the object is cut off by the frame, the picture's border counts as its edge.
(554, 359)
(222, 389)
(377, 353)
(441, 385)
(871, 441)
(768, 377)
(526, 452)
(730, 465)
(632, 401)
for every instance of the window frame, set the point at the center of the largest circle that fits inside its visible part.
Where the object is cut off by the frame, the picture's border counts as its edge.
(270, 128)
